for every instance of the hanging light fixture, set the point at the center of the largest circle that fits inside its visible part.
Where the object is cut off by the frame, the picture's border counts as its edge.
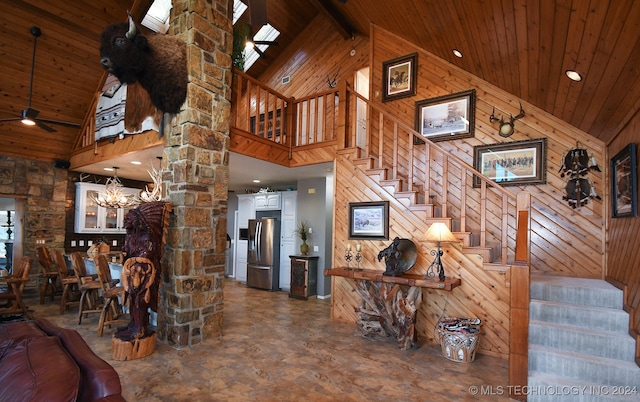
(113, 195)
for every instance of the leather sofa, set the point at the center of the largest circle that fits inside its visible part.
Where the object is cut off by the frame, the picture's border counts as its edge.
(40, 361)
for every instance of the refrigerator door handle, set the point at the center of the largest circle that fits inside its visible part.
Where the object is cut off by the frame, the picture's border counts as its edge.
(258, 239)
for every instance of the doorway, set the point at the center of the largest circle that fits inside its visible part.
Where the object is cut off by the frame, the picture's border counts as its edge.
(362, 88)
(11, 220)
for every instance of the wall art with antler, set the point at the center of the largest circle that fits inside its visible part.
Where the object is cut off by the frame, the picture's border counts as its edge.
(506, 127)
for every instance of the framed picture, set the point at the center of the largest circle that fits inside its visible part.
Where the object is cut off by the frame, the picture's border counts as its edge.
(369, 220)
(512, 163)
(624, 179)
(399, 77)
(447, 117)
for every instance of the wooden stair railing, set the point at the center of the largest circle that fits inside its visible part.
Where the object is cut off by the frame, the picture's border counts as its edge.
(424, 173)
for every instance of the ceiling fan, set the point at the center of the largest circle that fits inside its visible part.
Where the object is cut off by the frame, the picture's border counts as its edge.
(29, 115)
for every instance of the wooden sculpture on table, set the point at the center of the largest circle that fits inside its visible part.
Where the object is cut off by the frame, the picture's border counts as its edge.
(146, 228)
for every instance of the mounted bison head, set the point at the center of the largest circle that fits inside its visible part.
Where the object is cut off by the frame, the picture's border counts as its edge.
(157, 61)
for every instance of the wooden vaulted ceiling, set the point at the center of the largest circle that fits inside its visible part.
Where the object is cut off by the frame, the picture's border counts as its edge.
(521, 46)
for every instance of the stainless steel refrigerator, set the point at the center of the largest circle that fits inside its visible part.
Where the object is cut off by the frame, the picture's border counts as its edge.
(263, 255)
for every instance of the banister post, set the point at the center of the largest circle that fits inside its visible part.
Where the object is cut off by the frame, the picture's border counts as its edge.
(341, 128)
(519, 314)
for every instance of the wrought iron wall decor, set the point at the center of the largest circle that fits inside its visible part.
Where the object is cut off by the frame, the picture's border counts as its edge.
(576, 164)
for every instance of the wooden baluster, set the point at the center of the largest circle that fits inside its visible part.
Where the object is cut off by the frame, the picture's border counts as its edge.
(505, 227)
(445, 184)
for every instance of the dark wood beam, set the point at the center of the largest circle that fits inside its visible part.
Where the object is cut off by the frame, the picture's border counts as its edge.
(342, 25)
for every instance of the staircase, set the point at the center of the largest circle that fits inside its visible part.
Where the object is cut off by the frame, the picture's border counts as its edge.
(579, 347)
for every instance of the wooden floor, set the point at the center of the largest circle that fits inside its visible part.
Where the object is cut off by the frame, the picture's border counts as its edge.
(279, 349)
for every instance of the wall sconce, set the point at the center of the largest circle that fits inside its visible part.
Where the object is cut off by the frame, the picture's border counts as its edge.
(438, 232)
(506, 127)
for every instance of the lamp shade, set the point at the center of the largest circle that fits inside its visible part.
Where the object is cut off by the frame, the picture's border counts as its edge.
(439, 232)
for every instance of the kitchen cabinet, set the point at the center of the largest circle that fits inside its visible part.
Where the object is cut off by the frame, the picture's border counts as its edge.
(92, 218)
(304, 276)
(246, 210)
(267, 201)
(287, 235)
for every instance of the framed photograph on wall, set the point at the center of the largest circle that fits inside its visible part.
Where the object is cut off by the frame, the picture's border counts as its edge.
(512, 163)
(624, 179)
(447, 117)
(399, 77)
(369, 220)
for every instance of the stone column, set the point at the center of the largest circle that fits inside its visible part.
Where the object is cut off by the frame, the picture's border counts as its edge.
(195, 176)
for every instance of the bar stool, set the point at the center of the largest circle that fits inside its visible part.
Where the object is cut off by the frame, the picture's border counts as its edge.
(49, 275)
(70, 290)
(89, 288)
(112, 310)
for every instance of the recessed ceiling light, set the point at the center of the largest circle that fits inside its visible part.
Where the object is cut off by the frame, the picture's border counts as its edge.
(457, 53)
(574, 75)
(256, 181)
(108, 169)
(136, 163)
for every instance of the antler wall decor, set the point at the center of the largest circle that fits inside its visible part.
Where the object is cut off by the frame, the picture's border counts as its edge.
(506, 127)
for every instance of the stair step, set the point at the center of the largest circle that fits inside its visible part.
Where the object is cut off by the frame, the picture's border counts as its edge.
(407, 198)
(365, 163)
(580, 291)
(380, 172)
(426, 210)
(578, 366)
(606, 319)
(609, 344)
(394, 186)
(546, 387)
(468, 239)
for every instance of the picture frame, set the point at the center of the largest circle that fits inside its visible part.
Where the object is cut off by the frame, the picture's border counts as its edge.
(399, 77)
(369, 220)
(512, 163)
(624, 182)
(447, 117)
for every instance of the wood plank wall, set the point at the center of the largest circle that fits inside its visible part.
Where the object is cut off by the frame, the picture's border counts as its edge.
(623, 245)
(565, 241)
(317, 56)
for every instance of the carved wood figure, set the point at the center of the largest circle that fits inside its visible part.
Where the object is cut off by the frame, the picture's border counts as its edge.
(146, 228)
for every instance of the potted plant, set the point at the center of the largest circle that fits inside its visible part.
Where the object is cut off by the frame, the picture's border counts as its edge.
(302, 231)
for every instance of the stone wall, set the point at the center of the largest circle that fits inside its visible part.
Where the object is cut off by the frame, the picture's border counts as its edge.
(43, 189)
(195, 175)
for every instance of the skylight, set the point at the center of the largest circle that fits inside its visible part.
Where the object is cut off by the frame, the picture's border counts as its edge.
(238, 9)
(157, 18)
(266, 33)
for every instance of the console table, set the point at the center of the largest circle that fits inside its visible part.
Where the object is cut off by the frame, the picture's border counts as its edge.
(386, 310)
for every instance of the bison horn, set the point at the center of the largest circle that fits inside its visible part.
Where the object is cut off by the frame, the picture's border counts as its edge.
(131, 33)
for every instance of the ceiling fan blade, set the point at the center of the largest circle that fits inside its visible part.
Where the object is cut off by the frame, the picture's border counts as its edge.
(9, 119)
(60, 123)
(43, 126)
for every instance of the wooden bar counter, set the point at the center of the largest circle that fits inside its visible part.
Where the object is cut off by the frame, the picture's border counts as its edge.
(386, 310)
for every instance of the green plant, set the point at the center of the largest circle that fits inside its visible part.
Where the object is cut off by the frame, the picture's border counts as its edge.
(302, 230)
(240, 36)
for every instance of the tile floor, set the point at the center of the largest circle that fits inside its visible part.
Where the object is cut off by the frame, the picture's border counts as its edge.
(279, 349)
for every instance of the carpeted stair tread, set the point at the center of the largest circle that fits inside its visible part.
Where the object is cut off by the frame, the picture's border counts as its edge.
(596, 342)
(604, 318)
(595, 369)
(547, 387)
(580, 291)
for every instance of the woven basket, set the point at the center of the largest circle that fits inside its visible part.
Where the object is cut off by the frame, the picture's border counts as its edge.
(458, 346)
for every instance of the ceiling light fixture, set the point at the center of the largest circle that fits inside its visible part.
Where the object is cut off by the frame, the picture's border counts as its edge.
(573, 75)
(457, 53)
(256, 181)
(113, 195)
(136, 163)
(27, 118)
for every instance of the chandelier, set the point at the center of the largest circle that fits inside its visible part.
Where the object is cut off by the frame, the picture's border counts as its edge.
(113, 195)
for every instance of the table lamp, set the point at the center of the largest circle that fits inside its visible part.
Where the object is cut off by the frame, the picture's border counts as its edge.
(438, 232)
